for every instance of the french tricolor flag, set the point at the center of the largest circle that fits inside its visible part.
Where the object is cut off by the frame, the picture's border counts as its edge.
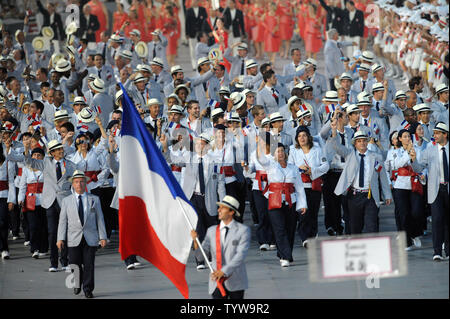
(378, 166)
(151, 202)
(213, 104)
(405, 125)
(304, 108)
(330, 108)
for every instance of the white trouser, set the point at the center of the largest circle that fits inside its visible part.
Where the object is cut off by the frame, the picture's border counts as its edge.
(192, 44)
(182, 20)
(350, 49)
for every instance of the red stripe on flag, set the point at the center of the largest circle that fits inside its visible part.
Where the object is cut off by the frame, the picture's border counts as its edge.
(137, 237)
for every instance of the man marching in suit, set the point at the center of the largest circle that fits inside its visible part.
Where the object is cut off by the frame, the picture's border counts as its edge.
(234, 241)
(360, 180)
(81, 227)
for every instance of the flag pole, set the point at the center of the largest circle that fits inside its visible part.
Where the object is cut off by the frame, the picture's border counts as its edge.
(198, 241)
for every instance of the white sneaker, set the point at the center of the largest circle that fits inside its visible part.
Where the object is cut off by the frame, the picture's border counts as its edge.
(15, 238)
(201, 267)
(284, 263)
(35, 255)
(27, 243)
(272, 247)
(41, 255)
(264, 247)
(5, 254)
(437, 258)
(66, 269)
(409, 248)
(305, 244)
(137, 264)
(130, 267)
(417, 242)
(53, 269)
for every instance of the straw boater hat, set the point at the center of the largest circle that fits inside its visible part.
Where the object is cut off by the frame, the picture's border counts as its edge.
(153, 101)
(217, 111)
(63, 66)
(118, 96)
(419, 108)
(359, 135)
(345, 76)
(276, 116)
(98, 85)
(176, 69)
(126, 54)
(203, 60)
(71, 28)
(135, 32)
(176, 109)
(157, 61)
(233, 117)
(62, 114)
(53, 145)
(364, 67)
(56, 57)
(363, 101)
(79, 100)
(174, 96)
(47, 32)
(368, 56)
(400, 94)
(265, 121)
(78, 174)
(204, 137)
(116, 38)
(238, 100)
(144, 68)
(250, 63)
(292, 100)
(376, 67)
(231, 203)
(86, 115)
(38, 44)
(441, 88)
(242, 46)
(441, 126)
(377, 87)
(352, 108)
(141, 49)
(70, 51)
(331, 96)
(224, 90)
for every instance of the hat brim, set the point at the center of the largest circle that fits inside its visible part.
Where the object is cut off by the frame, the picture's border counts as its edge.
(55, 148)
(230, 207)
(73, 177)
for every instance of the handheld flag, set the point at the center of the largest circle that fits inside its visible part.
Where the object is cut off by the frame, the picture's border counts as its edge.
(152, 225)
(330, 108)
(405, 125)
(213, 104)
(378, 166)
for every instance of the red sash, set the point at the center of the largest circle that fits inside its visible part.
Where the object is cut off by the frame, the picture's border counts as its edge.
(34, 188)
(228, 170)
(416, 186)
(261, 176)
(175, 168)
(19, 172)
(4, 185)
(92, 176)
(316, 185)
(219, 262)
(277, 190)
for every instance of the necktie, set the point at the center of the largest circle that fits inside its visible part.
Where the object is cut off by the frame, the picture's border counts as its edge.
(99, 73)
(377, 106)
(114, 54)
(294, 123)
(365, 122)
(340, 50)
(156, 77)
(155, 132)
(445, 164)
(201, 176)
(226, 231)
(143, 97)
(364, 85)
(205, 86)
(348, 97)
(242, 67)
(275, 94)
(361, 171)
(354, 130)
(446, 106)
(343, 143)
(420, 99)
(154, 49)
(80, 210)
(58, 171)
